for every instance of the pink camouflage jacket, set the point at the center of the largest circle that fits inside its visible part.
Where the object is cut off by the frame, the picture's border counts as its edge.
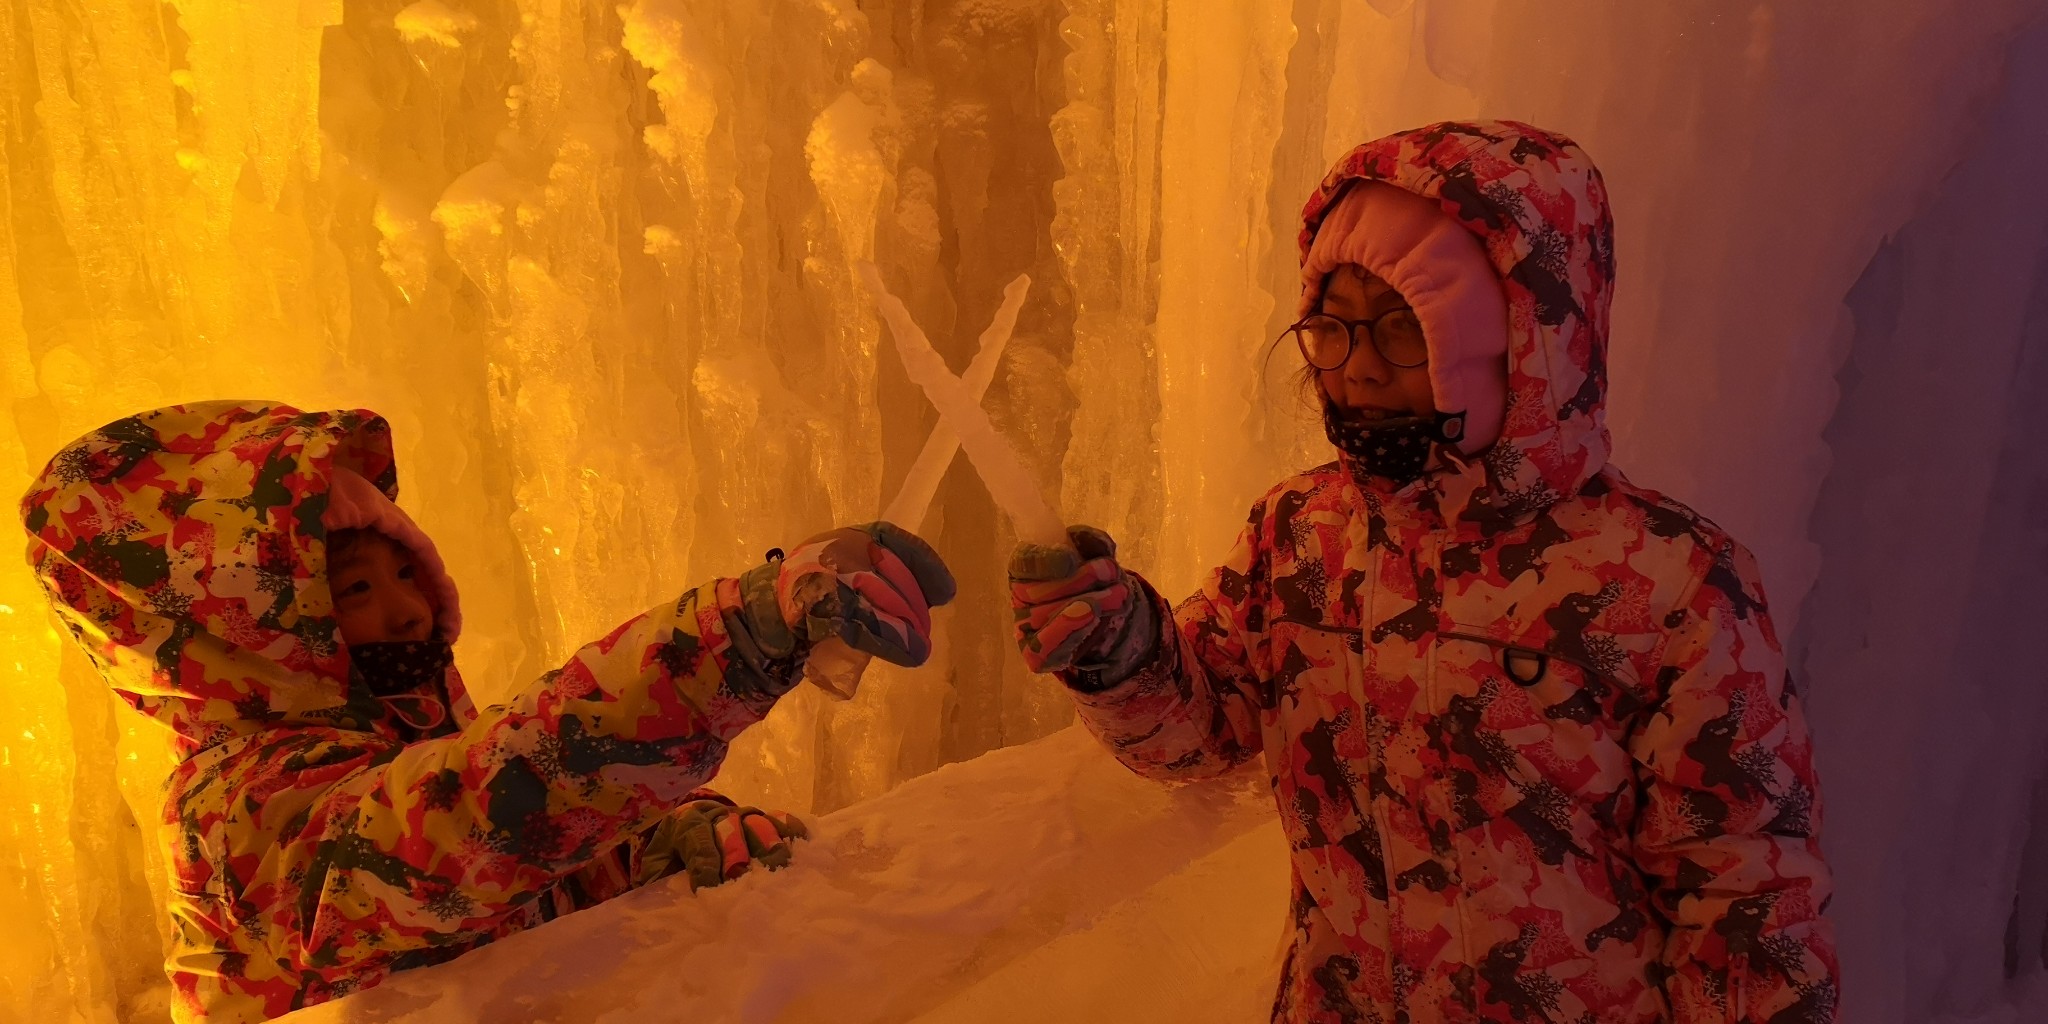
(317, 841)
(1528, 725)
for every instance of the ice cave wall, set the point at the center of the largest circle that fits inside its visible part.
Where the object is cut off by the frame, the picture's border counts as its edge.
(594, 260)
(1920, 649)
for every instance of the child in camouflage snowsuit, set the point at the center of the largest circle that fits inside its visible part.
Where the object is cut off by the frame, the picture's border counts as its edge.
(1527, 724)
(239, 572)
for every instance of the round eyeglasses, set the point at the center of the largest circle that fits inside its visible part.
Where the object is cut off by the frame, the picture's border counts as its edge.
(1326, 341)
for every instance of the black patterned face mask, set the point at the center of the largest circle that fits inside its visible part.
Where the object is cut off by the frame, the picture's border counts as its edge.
(408, 676)
(1395, 449)
(399, 666)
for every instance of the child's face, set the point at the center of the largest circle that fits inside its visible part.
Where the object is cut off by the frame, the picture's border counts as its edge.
(1367, 384)
(377, 598)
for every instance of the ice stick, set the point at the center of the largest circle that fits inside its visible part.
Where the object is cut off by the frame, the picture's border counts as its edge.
(833, 666)
(914, 499)
(1001, 471)
(836, 668)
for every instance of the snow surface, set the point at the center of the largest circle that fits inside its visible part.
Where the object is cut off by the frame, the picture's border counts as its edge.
(1041, 882)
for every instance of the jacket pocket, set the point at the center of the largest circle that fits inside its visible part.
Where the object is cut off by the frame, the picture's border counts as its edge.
(1553, 731)
(1563, 689)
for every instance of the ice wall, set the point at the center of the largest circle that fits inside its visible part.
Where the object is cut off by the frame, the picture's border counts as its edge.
(595, 261)
(1921, 644)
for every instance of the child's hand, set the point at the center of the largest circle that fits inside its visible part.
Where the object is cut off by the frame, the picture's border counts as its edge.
(872, 586)
(1076, 608)
(718, 841)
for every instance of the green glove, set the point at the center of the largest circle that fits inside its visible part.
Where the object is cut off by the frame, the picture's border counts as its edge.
(712, 840)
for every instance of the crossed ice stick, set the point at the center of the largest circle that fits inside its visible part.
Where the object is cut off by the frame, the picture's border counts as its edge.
(962, 423)
(837, 668)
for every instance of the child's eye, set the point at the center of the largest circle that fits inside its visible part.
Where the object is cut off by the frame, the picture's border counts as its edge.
(356, 589)
(405, 572)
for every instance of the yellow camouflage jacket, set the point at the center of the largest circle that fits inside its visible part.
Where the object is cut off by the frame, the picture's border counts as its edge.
(318, 842)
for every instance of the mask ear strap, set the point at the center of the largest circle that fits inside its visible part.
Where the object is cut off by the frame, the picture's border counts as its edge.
(430, 712)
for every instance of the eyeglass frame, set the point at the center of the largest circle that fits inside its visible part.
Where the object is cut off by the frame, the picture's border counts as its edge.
(1351, 333)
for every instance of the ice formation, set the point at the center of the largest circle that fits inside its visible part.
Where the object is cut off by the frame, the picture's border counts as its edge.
(597, 261)
(836, 668)
(911, 504)
(959, 408)
(975, 885)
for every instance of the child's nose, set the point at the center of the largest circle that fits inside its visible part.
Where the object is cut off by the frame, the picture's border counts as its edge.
(1366, 365)
(408, 618)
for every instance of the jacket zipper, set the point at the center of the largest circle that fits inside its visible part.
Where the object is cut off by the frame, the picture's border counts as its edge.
(1375, 803)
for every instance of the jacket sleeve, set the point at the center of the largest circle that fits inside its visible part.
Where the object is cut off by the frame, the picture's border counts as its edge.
(343, 846)
(1728, 836)
(1193, 711)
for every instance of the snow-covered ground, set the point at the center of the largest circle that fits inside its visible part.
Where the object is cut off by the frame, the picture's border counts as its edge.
(1037, 883)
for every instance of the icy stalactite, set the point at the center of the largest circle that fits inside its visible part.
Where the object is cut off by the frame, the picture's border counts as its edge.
(537, 229)
(853, 150)
(993, 457)
(1225, 74)
(701, 255)
(913, 502)
(1284, 422)
(773, 395)
(125, 204)
(971, 207)
(433, 22)
(887, 731)
(1108, 140)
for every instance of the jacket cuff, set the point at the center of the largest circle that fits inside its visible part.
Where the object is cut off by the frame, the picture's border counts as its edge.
(767, 656)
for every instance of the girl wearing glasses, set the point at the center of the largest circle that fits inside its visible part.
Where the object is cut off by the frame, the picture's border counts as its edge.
(1527, 724)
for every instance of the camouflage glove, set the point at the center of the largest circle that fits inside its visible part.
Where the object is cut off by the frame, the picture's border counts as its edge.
(715, 840)
(873, 586)
(1078, 611)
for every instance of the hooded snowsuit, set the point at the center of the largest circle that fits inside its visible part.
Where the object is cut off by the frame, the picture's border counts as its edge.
(318, 837)
(1528, 725)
